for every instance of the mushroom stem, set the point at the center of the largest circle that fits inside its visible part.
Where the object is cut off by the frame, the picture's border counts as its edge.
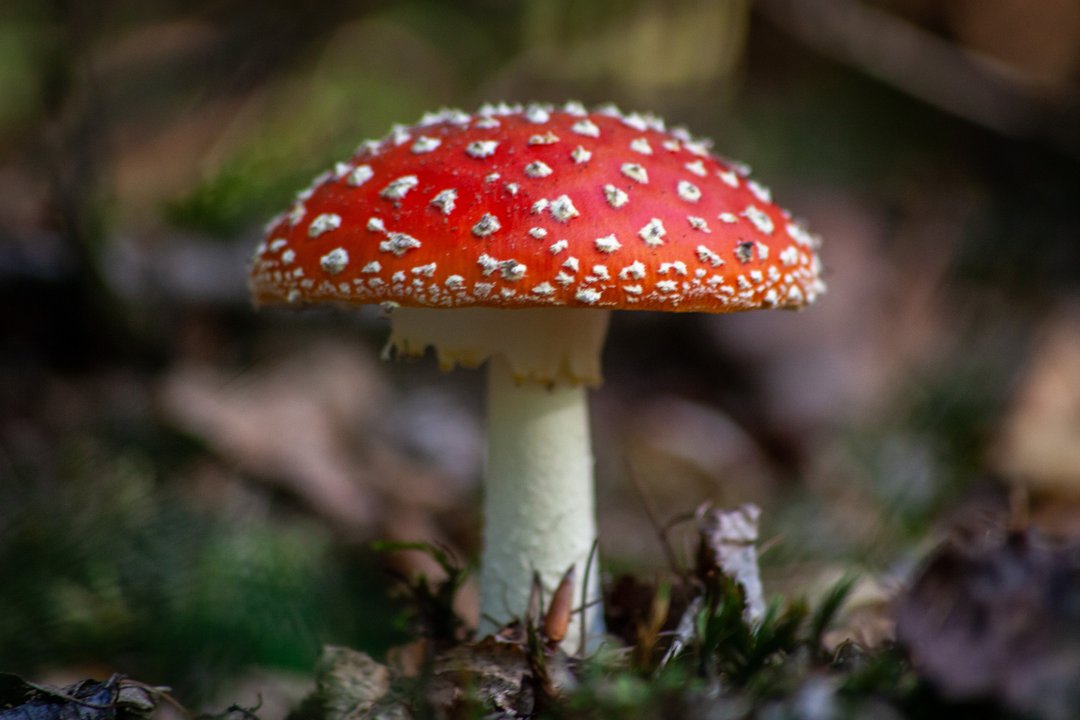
(538, 502)
(539, 507)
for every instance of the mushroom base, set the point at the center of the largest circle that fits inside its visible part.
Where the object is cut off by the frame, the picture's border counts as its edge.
(546, 345)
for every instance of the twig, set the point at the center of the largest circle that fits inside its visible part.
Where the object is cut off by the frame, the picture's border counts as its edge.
(246, 713)
(769, 544)
(953, 79)
(679, 519)
(654, 520)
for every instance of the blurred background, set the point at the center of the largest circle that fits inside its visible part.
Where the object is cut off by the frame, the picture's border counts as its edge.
(188, 489)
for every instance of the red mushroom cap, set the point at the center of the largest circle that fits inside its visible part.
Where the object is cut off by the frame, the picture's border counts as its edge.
(533, 207)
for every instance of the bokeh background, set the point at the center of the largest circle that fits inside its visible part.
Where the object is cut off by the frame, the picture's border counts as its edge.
(188, 489)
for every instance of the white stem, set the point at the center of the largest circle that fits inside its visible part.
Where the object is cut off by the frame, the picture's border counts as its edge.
(538, 503)
(539, 498)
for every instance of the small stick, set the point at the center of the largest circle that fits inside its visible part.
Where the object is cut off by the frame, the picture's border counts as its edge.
(654, 520)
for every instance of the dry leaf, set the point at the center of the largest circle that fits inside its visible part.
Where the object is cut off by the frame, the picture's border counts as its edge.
(289, 424)
(729, 542)
(999, 619)
(1040, 442)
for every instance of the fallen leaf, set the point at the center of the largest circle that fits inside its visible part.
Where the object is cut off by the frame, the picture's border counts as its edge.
(729, 543)
(999, 619)
(1039, 445)
(284, 425)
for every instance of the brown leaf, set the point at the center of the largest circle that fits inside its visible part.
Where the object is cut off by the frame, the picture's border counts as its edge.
(1040, 442)
(349, 683)
(557, 617)
(999, 619)
(288, 424)
(496, 671)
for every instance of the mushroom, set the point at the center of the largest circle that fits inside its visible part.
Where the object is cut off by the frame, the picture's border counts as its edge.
(560, 215)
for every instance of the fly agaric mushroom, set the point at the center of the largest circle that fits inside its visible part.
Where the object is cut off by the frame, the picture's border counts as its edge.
(560, 215)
